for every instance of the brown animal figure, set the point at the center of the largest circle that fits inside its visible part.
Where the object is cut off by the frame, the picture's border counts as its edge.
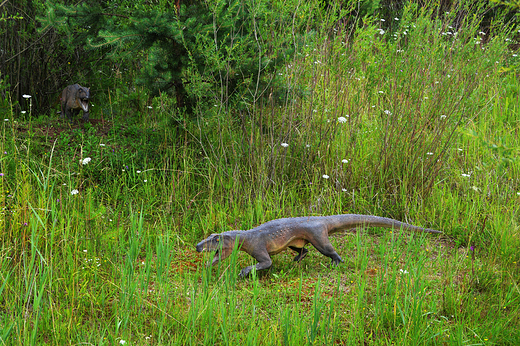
(74, 98)
(275, 236)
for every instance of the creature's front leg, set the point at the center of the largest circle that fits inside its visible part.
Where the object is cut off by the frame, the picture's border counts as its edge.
(264, 262)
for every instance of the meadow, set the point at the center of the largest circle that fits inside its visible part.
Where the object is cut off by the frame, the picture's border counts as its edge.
(418, 121)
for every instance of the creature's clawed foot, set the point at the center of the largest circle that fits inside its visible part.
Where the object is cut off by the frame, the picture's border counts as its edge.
(336, 260)
(245, 272)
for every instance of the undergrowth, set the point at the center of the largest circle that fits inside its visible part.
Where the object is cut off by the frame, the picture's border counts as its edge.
(413, 120)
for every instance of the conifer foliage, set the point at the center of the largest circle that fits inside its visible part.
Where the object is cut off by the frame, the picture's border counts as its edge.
(225, 51)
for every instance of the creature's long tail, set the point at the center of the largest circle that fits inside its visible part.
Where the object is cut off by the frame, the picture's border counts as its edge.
(350, 221)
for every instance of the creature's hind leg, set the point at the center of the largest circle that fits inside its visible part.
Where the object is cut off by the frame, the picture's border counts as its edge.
(323, 245)
(302, 252)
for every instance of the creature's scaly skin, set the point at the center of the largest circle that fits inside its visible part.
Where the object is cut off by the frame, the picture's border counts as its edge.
(275, 236)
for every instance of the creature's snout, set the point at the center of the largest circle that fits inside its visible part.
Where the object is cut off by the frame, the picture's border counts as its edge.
(199, 247)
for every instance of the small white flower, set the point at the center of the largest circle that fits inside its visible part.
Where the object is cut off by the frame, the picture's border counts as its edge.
(344, 161)
(443, 116)
(429, 153)
(396, 18)
(6, 119)
(381, 92)
(138, 172)
(25, 96)
(381, 31)
(23, 112)
(403, 271)
(150, 107)
(85, 251)
(122, 342)
(145, 180)
(74, 192)
(481, 33)
(285, 145)
(475, 188)
(466, 175)
(388, 112)
(86, 160)
(344, 190)
(342, 119)
(101, 145)
(325, 176)
(307, 146)
(384, 21)
(518, 193)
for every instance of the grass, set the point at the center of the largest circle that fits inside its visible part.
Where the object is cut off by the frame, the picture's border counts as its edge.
(430, 138)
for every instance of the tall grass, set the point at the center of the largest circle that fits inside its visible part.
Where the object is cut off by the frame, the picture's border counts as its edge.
(413, 123)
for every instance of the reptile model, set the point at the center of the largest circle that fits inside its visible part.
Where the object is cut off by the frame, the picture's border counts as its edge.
(275, 236)
(75, 98)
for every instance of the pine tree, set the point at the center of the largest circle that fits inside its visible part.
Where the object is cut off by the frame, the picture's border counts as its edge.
(201, 51)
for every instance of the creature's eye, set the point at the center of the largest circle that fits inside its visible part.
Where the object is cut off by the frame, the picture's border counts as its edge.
(218, 239)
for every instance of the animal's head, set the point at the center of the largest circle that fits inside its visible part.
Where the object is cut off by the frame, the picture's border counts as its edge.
(83, 97)
(221, 243)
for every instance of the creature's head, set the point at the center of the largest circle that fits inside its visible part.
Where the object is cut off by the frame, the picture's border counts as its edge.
(221, 243)
(83, 97)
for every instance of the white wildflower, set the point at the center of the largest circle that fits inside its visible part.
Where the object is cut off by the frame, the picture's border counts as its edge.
(74, 192)
(25, 96)
(466, 175)
(403, 271)
(387, 112)
(101, 145)
(150, 107)
(443, 116)
(138, 172)
(342, 119)
(325, 176)
(285, 145)
(86, 160)
(381, 31)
